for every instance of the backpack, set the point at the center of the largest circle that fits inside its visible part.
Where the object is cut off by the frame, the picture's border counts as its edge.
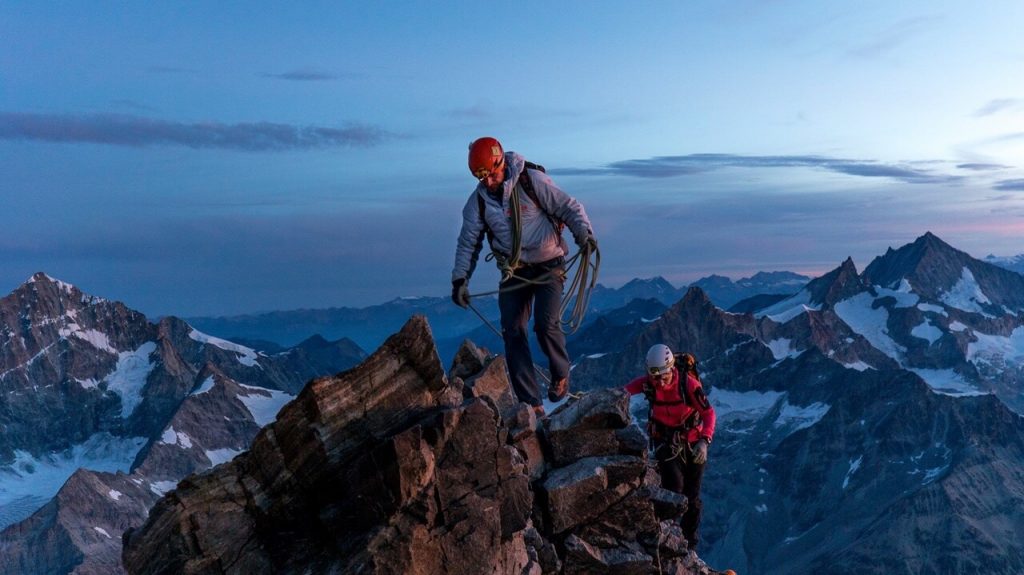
(527, 185)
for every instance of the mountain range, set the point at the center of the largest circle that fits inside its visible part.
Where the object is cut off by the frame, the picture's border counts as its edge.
(1012, 263)
(869, 422)
(369, 326)
(102, 411)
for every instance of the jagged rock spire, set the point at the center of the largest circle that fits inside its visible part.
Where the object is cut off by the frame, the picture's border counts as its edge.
(836, 285)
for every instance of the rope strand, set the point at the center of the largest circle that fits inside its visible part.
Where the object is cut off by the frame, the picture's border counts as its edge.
(577, 298)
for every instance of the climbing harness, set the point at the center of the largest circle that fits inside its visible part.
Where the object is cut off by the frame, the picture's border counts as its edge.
(576, 299)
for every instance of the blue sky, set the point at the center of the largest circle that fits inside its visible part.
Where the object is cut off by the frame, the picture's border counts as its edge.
(221, 158)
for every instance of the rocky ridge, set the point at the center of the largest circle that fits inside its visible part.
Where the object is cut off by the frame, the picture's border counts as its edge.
(393, 467)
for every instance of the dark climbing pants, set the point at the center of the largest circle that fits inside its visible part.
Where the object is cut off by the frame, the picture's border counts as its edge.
(682, 475)
(515, 306)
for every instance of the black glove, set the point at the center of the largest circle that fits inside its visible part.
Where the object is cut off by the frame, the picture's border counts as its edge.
(700, 451)
(589, 242)
(460, 293)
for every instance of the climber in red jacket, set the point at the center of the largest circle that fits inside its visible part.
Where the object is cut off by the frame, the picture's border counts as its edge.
(681, 425)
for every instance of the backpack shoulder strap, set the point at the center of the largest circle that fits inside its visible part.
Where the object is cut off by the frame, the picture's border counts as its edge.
(697, 399)
(527, 184)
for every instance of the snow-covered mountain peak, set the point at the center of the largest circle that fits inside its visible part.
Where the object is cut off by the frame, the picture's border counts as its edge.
(42, 277)
(941, 274)
(43, 287)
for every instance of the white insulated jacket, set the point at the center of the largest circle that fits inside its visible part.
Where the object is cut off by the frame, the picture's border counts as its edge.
(540, 240)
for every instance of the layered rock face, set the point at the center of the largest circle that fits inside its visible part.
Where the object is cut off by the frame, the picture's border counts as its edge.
(392, 467)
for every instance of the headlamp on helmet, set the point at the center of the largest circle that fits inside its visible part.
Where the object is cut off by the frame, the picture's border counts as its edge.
(485, 156)
(660, 360)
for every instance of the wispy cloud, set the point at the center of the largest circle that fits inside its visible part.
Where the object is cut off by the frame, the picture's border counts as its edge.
(671, 166)
(892, 37)
(308, 75)
(982, 167)
(136, 131)
(1010, 185)
(999, 105)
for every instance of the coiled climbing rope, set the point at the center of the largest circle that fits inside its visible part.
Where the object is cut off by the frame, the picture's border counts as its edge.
(576, 298)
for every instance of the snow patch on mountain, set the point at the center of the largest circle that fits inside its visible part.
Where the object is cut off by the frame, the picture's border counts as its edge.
(927, 331)
(743, 404)
(97, 339)
(995, 348)
(854, 466)
(789, 308)
(966, 295)
(795, 417)
(207, 385)
(870, 323)
(930, 307)
(247, 356)
(129, 376)
(947, 382)
(162, 487)
(782, 348)
(903, 294)
(218, 456)
(858, 365)
(179, 438)
(264, 403)
(29, 482)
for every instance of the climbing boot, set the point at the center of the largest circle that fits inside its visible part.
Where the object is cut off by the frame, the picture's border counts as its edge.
(558, 389)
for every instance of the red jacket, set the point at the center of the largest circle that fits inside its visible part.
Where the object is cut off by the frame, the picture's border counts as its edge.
(676, 408)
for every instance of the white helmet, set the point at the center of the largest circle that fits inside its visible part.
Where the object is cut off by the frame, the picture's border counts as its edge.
(660, 359)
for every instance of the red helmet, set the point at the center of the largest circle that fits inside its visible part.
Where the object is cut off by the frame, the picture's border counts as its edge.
(485, 154)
